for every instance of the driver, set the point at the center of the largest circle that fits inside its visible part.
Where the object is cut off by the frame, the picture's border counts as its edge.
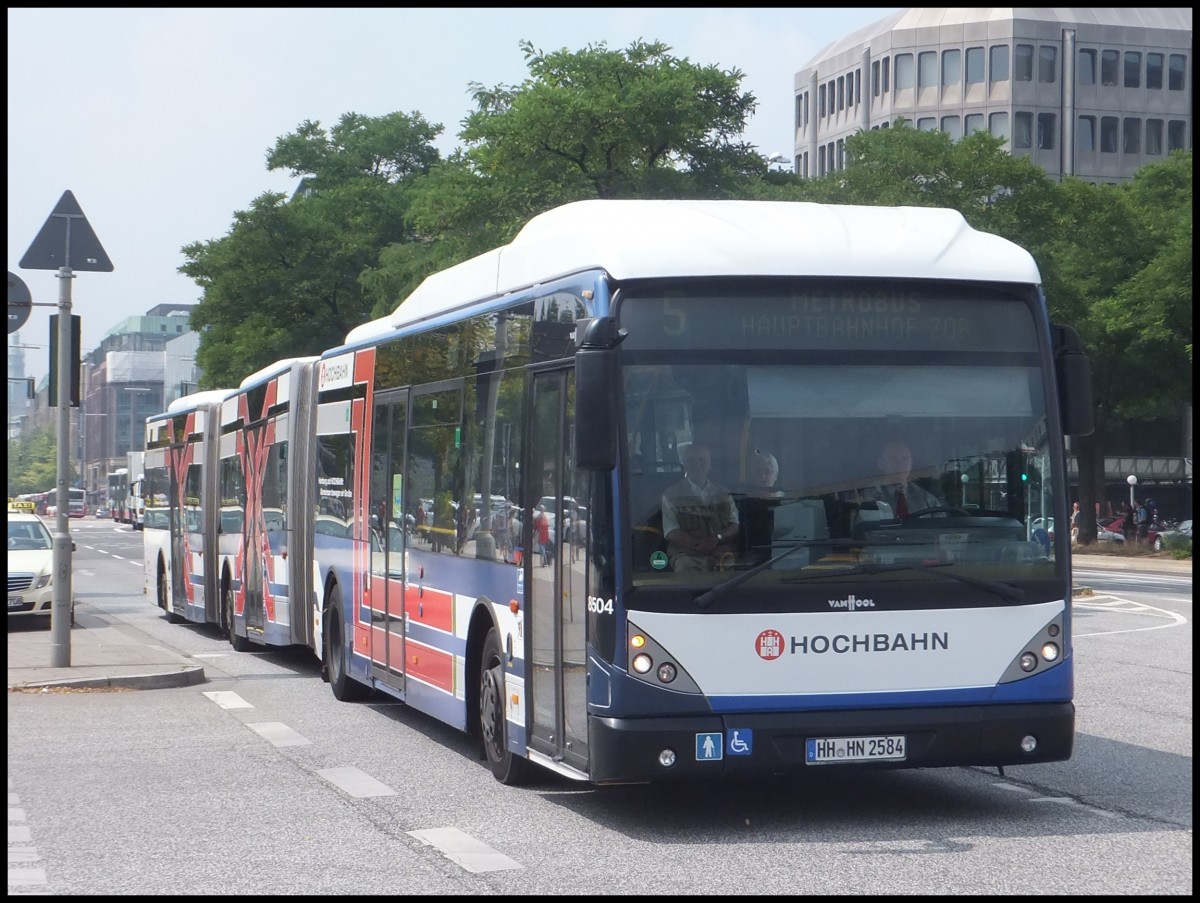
(896, 495)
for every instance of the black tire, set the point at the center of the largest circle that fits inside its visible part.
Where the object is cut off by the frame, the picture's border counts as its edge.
(239, 643)
(507, 768)
(345, 688)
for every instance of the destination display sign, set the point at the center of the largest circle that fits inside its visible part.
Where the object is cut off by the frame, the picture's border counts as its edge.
(892, 318)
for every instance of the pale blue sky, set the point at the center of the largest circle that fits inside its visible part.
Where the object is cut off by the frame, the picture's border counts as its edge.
(159, 120)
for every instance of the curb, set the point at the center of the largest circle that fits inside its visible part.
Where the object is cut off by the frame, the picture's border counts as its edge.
(185, 677)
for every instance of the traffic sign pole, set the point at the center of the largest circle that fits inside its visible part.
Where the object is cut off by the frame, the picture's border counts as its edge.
(60, 604)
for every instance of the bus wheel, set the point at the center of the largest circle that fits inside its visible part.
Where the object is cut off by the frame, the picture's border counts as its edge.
(507, 767)
(239, 643)
(345, 688)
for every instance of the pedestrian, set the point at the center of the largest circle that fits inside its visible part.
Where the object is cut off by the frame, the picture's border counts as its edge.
(1141, 520)
(1127, 525)
(541, 533)
(1076, 522)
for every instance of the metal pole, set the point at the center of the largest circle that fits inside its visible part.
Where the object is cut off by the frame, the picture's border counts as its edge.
(60, 605)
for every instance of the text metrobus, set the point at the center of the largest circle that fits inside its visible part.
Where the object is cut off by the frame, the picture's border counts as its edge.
(376, 503)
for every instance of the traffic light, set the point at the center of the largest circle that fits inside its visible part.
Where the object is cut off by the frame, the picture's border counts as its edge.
(76, 360)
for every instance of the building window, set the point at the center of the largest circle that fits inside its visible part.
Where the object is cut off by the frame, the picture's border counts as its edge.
(1175, 68)
(884, 69)
(927, 74)
(1022, 130)
(1108, 134)
(1132, 129)
(998, 125)
(1047, 56)
(841, 92)
(1086, 71)
(1176, 132)
(972, 122)
(1154, 137)
(1133, 69)
(999, 67)
(821, 160)
(1047, 124)
(974, 65)
(1023, 63)
(951, 68)
(821, 101)
(904, 70)
(875, 86)
(841, 153)
(927, 124)
(1109, 60)
(1085, 134)
(799, 112)
(952, 126)
(858, 86)
(806, 98)
(1154, 71)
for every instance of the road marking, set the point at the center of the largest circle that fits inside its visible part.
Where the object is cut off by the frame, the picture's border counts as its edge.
(22, 877)
(227, 699)
(279, 734)
(356, 782)
(463, 849)
(1120, 605)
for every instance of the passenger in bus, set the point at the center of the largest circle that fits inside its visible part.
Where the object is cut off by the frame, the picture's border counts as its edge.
(700, 520)
(896, 495)
(758, 504)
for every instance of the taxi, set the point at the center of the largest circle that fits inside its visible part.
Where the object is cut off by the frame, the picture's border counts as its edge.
(30, 563)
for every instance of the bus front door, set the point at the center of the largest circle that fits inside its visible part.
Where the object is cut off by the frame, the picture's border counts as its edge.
(556, 578)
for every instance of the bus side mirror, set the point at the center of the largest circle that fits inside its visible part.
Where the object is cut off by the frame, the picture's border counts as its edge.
(1074, 373)
(597, 384)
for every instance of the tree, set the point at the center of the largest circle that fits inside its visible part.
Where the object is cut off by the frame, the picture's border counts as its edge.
(284, 282)
(596, 123)
(32, 462)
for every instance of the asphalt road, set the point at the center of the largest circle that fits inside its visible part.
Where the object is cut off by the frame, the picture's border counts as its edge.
(260, 782)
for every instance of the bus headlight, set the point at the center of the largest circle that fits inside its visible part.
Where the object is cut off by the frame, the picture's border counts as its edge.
(1050, 652)
(1028, 661)
(666, 672)
(642, 663)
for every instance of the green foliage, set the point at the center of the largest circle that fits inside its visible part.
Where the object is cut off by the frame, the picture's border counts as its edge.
(33, 462)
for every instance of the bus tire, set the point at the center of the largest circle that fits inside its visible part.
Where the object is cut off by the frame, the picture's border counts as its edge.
(507, 767)
(239, 643)
(345, 688)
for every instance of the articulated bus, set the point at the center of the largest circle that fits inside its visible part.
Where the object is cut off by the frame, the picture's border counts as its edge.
(568, 376)
(76, 498)
(182, 501)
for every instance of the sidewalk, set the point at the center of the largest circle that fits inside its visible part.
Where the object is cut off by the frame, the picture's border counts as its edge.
(103, 654)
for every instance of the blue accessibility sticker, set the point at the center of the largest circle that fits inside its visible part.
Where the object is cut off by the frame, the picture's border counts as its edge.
(709, 748)
(739, 741)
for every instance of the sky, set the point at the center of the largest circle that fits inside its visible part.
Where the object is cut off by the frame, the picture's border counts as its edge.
(159, 121)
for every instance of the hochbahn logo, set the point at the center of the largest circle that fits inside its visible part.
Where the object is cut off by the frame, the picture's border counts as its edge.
(770, 644)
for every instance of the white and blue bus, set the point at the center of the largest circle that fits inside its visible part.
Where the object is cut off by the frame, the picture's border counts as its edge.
(573, 370)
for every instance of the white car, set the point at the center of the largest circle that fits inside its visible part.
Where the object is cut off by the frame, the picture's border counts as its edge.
(30, 566)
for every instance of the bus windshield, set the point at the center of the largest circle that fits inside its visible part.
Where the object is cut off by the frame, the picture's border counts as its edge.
(806, 431)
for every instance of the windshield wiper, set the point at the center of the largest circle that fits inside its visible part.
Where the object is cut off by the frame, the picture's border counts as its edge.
(1005, 591)
(706, 599)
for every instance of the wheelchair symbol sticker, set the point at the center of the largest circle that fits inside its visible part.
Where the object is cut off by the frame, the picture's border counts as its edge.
(739, 741)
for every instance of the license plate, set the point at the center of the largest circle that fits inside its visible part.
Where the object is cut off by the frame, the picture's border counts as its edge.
(15, 601)
(837, 750)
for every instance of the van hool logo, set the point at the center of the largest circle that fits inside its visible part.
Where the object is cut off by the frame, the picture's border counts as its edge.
(852, 603)
(769, 645)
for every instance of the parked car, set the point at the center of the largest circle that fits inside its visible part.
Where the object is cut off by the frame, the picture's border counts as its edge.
(1163, 539)
(30, 566)
(1116, 525)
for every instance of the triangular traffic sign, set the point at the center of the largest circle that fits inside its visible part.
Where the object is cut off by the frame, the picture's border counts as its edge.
(67, 240)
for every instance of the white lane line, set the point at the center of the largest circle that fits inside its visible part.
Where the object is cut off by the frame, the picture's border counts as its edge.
(227, 700)
(279, 734)
(355, 782)
(463, 849)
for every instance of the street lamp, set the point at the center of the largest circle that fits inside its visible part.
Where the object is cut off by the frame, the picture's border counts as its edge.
(1132, 481)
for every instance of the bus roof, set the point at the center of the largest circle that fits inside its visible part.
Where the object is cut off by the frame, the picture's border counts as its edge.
(270, 370)
(197, 400)
(639, 239)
